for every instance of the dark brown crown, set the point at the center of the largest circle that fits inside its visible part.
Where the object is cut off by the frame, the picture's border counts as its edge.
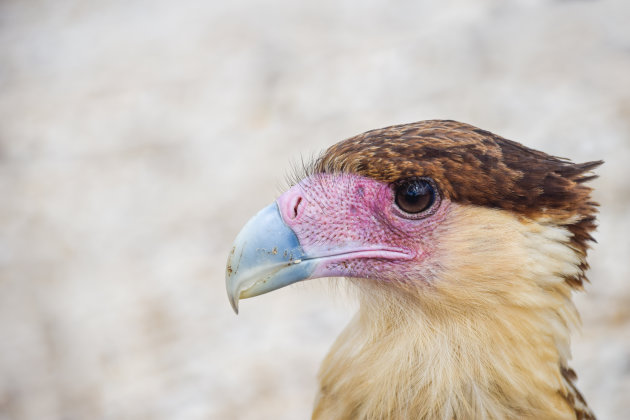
(474, 166)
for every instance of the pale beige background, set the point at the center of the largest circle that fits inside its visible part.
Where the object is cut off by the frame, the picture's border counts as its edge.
(137, 137)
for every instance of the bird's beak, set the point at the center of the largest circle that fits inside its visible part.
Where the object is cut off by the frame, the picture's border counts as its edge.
(265, 256)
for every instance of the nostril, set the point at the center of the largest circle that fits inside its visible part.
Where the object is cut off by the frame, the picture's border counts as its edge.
(296, 207)
(292, 204)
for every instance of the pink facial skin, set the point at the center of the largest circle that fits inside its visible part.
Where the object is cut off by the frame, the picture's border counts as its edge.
(353, 226)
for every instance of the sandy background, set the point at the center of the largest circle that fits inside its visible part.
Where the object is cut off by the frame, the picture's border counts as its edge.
(137, 137)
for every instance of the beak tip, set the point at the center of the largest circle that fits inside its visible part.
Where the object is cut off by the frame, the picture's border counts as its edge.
(234, 303)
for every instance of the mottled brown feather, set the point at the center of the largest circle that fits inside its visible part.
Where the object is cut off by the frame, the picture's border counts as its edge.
(475, 166)
(575, 398)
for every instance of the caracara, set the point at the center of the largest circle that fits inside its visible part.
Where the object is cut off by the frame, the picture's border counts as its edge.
(464, 248)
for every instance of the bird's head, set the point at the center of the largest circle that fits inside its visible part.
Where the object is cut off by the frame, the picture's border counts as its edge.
(450, 215)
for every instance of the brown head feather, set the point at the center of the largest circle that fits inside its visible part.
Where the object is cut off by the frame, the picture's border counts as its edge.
(475, 166)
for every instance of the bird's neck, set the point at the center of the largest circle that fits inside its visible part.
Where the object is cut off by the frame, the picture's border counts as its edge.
(490, 365)
(405, 356)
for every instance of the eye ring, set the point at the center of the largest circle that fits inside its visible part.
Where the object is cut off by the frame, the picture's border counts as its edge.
(416, 197)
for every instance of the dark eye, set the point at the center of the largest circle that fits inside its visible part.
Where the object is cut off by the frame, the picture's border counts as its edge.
(414, 195)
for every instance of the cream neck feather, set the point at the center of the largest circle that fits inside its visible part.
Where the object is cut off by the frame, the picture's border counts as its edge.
(487, 339)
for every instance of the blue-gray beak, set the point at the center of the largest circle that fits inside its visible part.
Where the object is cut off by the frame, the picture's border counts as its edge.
(265, 256)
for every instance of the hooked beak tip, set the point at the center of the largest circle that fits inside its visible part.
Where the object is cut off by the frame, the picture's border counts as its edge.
(234, 303)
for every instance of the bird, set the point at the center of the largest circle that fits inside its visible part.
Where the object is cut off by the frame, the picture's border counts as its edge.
(464, 249)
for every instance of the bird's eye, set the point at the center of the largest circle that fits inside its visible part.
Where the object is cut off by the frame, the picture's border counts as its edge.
(415, 195)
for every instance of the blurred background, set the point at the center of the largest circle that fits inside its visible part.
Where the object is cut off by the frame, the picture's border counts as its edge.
(137, 137)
